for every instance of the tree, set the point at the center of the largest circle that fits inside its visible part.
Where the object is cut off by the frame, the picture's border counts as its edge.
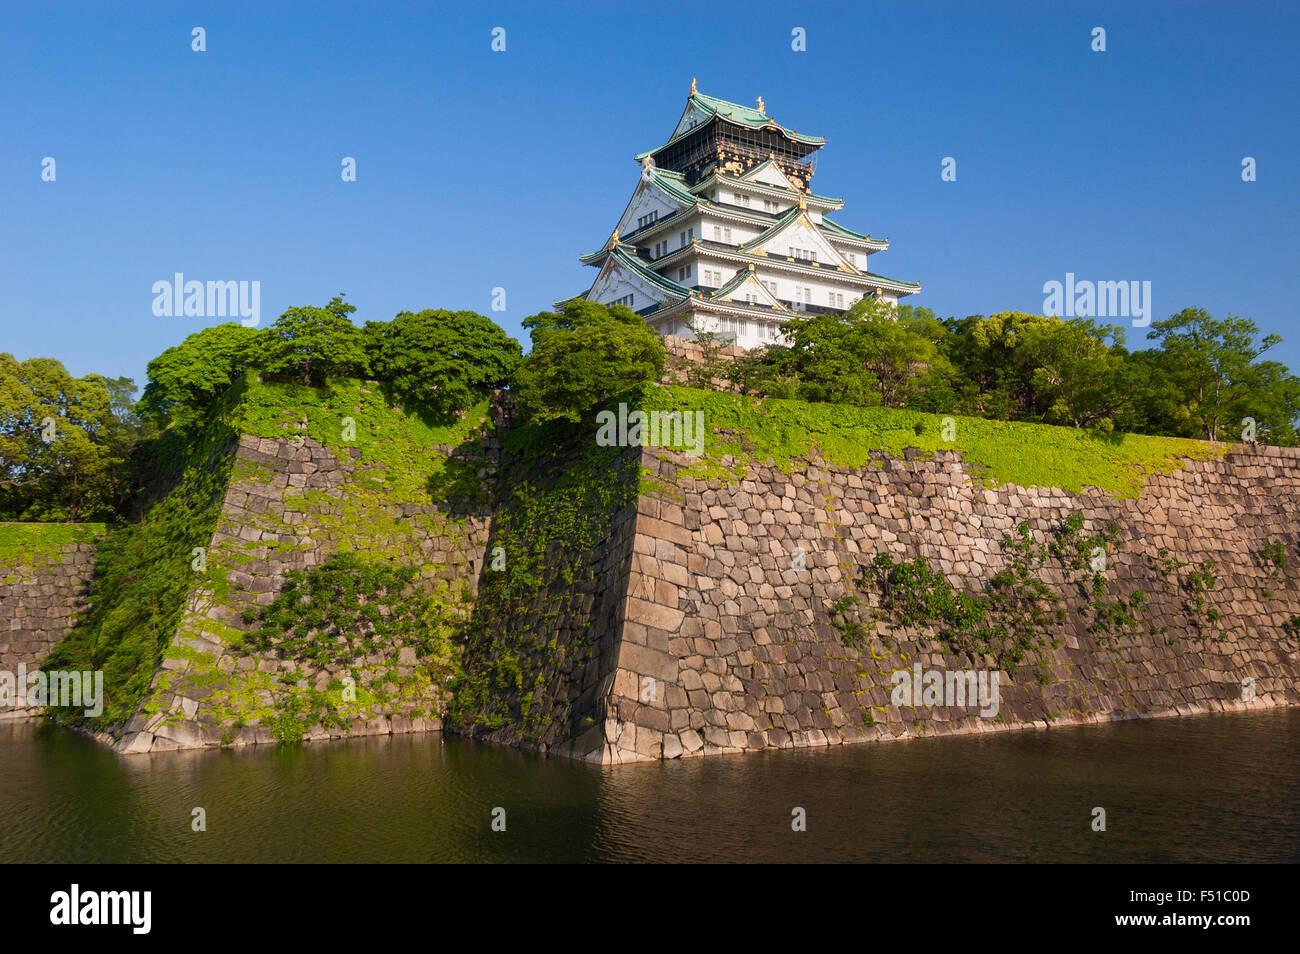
(770, 371)
(1076, 371)
(1211, 362)
(187, 379)
(873, 354)
(63, 441)
(314, 344)
(583, 355)
(712, 365)
(441, 362)
(1018, 366)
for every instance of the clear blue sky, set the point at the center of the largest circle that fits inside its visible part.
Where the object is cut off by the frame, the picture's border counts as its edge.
(479, 169)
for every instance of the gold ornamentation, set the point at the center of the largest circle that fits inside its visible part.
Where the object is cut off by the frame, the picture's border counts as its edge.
(694, 90)
(613, 239)
(761, 108)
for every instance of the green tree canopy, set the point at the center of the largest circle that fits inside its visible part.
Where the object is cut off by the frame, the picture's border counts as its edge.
(63, 441)
(583, 355)
(1213, 366)
(187, 379)
(313, 344)
(441, 362)
(873, 354)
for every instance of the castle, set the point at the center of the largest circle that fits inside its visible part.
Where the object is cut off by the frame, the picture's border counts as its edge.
(724, 234)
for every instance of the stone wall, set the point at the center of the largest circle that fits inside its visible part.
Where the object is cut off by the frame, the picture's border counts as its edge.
(685, 355)
(39, 601)
(665, 609)
(290, 505)
(736, 632)
(539, 668)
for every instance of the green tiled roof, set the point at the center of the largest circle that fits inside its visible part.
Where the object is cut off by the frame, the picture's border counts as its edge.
(761, 260)
(719, 176)
(741, 277)
(836, 229)
(674, 185)
(746, 116)
(626, 256)
(896, 281)
(777, 227)
(598, 257)
(732, 285)
(649, 274)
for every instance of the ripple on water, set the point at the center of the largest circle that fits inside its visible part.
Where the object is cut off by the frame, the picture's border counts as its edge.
(1206, 788)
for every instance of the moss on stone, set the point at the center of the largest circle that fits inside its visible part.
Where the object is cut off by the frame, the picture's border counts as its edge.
(41, 544)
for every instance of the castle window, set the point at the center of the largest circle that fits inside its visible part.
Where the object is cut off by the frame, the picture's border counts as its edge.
(736, 326)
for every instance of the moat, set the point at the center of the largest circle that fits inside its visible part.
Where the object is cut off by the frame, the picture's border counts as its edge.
(1214, 788)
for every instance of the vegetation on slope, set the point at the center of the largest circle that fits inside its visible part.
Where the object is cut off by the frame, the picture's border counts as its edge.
(375, 596)
(1205, 378)
(143, 572)
(753, 430)
(869, 388)
(561, 494)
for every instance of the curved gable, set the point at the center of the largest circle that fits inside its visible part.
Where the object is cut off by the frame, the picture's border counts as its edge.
(768, 172)
(794, 237)
(651, 198)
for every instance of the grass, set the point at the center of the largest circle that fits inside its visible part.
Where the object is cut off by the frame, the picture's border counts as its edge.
(1028, 455)
(33, 544)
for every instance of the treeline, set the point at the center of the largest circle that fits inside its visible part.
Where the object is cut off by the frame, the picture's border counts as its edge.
(79, 449)
(1205, 378)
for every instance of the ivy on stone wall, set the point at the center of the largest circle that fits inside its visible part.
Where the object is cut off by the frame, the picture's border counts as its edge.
(1017, 612)
(144, 570)
(561, 492)
(348, 608)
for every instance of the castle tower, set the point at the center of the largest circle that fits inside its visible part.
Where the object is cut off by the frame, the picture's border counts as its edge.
(724, 233)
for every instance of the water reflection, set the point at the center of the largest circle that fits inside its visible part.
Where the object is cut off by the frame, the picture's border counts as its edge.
(1209, 788)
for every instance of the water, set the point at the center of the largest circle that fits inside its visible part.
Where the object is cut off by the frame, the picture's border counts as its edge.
(1208, 788)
